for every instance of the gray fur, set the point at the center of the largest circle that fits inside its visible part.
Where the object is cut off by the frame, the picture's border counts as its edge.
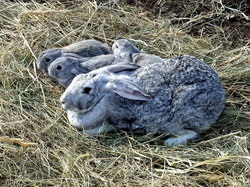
(143, 59)
(86, 48)
(182, 96)
(124, 49)
(65, 68)
(101, 61)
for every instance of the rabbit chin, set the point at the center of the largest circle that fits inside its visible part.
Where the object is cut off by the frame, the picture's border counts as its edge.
(81, 121)
(77, 110)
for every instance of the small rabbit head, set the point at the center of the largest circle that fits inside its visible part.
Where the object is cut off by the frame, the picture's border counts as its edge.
(124, 49)
(92, 90)
(65, 68)
(46, 58)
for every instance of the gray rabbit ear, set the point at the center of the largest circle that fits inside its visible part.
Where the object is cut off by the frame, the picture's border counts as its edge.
(128, 89)
(77, 69)
(71, 55)
(74, 71)
(121, 67)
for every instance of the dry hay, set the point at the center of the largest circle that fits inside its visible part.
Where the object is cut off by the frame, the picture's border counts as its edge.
(227, 21)
(38, 147)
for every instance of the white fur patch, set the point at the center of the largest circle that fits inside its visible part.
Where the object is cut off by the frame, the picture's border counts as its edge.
(99, 130)
(182, 138)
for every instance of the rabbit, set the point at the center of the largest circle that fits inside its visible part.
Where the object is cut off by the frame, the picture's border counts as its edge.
(181, 96)
(86, 48)
(126, 50)
(65, 68)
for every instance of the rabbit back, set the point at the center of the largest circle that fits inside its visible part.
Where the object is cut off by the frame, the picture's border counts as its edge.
(101, 61)
(187, 94)
(87, 48)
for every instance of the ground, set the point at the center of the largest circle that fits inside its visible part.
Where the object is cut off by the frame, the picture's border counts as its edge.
(38, 147)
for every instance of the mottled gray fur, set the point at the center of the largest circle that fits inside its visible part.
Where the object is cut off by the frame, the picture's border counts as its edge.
(182, 96)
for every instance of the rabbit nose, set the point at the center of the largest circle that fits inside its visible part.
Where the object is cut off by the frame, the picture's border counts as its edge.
(62, 100)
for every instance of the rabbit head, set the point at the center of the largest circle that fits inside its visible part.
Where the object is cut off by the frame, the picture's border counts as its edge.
(89, 96)
(124, 49)
(65, 68)
(46, 58)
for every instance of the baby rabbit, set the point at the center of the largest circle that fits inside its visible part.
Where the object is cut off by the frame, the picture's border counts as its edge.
(181, 96)
(86, 48)
(125, 50)
(65, 68)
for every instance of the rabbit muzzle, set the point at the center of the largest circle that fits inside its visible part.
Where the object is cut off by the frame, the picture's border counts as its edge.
(63, 102)
(72, 106)
(67, 106)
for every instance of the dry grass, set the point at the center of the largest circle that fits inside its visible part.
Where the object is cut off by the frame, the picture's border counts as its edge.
(38, 147)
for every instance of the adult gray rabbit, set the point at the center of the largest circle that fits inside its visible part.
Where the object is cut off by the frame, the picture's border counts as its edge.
(65, 68)
(86, 48)
(182, 96)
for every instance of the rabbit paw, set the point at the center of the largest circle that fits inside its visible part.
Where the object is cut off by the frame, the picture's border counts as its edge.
(182, 138)
(98, 130)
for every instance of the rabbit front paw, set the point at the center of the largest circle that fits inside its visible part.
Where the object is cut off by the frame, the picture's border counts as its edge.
(182, 138)
(99, 130)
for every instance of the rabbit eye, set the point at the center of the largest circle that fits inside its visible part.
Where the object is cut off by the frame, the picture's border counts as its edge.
(116, 46)
(47, 59)
(86, 90)
(59, 67)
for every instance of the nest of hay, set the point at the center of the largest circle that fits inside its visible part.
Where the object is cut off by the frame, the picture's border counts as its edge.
(38, 147)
